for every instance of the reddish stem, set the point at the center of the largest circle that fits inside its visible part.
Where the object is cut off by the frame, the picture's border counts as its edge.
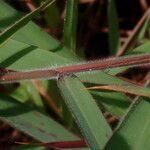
(31, 5)
(61, 144)
(90, 66)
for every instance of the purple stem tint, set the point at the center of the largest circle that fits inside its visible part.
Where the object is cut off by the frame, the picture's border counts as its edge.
(60, 144)
(114, 62)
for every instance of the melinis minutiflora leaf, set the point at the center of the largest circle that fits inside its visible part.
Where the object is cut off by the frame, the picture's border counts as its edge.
(70, 25)
(82, 105)
(130, 61)
(133, 132)
(114, 36)
(10, 31)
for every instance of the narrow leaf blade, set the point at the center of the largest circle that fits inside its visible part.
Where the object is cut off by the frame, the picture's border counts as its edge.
(82, 105)
(8, 33)
(133, 133)
(70, 25)
(114, 36)
(32, 122)
(30, 34)
(115, 103)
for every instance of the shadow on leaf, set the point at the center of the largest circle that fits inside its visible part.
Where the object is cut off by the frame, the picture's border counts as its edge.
(10, 107)
(9, 61)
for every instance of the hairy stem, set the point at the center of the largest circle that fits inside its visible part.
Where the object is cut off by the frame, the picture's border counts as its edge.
(114, 62)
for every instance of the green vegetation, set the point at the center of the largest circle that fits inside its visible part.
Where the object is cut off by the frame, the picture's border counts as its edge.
(54, 95)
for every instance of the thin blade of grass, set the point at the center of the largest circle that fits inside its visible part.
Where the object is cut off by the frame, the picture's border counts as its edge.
(30, 34)
(28, 120)
(86, 112)
(26, 92)
(70, 25)
(25, 147)
(135, 31)
(8, 33)
(113, 25)
(52, 16)
(113, 102)
(105, 78)
(144, 29)
(133, 132)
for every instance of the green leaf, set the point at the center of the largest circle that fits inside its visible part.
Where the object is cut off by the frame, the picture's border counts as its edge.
(30, 34)
(52, 16)
(114, 36)
(143, 49)
(82, 105)
(8, 15)
(133, 133)
(32, 122)
(19, 56)
(26, 92)
(70, 25)
(9, 32)
(144, 29)
(33, 35)
(115, 83)
(116, 103)
(100, 77)
(30, 148)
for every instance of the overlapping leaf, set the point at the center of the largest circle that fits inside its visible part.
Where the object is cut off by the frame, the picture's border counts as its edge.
(5, 35)
(22, 53)
(133, 133)
(32, 122)
(83, 106)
